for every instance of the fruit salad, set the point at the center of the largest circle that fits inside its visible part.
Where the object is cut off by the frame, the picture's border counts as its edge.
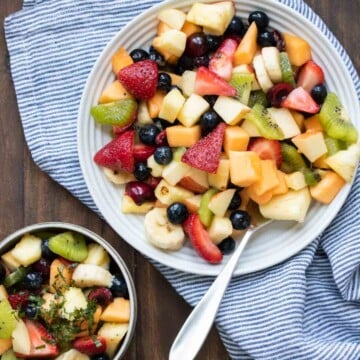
(221, 113)
(61, 298)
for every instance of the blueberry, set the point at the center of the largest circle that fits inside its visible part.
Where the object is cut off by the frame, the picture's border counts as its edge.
(209, 121)
(157, 57)
(177, 213)
(163, 155)
(31, 310)
(32, 280)
(211, 99)
(2, 273)
(100, 357)
(236, 27)
(260, 18)
(119, 287)
(202, 61)
(164, 82)
(148, 133)
(213, 42)
(141, 171)
(319, 93)
(235, 201)
(162, 123)
(184, 63)
(227, 246)
(266, 38)
(45, 250)
(139, 55)
(240, 219)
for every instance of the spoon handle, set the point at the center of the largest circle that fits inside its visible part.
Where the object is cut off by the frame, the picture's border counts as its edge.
(197, 326)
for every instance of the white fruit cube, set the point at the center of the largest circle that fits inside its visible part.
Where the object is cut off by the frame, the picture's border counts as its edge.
(113, 334)
(220, 202)
(271, 57)
(220, 179)
(172, 42)
(295, 180)
(97, 255)
(220, 229)
(171, 105)
(193, 108)
(27, 250)
(231, 110)
(311, 144)
(168, 194)
(10, 262)
(285, 120)
(128, 206)
(173, 18)
(21, 338)
(187, 82)
(156, 168)
(193, 203)
(250, 128)
(72, 355)
(74, 300)
(88, 275)
(175, 171)
(261, 73)
(143, 116)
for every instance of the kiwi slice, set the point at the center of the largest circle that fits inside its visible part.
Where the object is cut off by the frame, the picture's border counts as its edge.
(7, 319)
(15, 277)
(69, 245)
(335, 121)
(205, 214)
(286, 69)
(333, 145)
(242, 82)
(118, 113)
(312, 176)
(258, 97)
(261, 118)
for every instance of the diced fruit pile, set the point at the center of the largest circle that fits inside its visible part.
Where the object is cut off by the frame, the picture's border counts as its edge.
(218, 114)
(59, 300)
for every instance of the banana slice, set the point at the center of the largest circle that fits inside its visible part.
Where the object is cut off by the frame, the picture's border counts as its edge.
(118, 178)
(88, 275)
(261, 73)
(161, 233)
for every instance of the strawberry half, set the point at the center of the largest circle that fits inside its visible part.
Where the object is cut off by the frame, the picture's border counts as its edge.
(42, 343)
(209, 83)
(310, 75)
(142, 152)
(90, 345)
(140, 79)
(267, 149)
(200, 239)
(118, 154)
(299, 99)
(205, 154)
(221, 61)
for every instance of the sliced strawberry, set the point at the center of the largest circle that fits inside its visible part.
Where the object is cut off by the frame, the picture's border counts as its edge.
(19, 299)
(267, 149)
(310, 75)
(42, 343)
(118, 154)
(200, 239)
(205, 154)
(140, 79)
(209, 83)
(142, 152)
(221, 61)
(299, 99)
(90, 345)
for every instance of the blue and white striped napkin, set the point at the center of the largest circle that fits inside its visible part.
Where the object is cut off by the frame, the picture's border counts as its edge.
(305, 308)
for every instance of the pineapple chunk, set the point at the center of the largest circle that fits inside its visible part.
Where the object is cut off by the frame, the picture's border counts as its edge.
(128, 206)
(171, 105)
(113, 334)
(97, 255)
(173, 18)
(27, 250)
(73, 355)
(193, 108)
(10, 262)
(220, 229)
(187, 82)
(172, 41)
(220, 179)
(74, 299)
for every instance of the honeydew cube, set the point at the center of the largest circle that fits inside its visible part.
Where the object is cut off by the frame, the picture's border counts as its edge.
(298, 49)
(230, 109)
(282, 188)
(172, 41)
(171, 105)
(220, 179)
(173, 18)
(220, 202)
(179, 135)
(143, 115)
(193, 108)
(113, 334)
(285, 120)
(220, 229)
(128, 206)
(250, 128)
(311, 144)
(245, 167)
(268, 180)
(236, 139)
(295, 180)
(187, 82)
(175, 171)
(27, 250)
(114, 92)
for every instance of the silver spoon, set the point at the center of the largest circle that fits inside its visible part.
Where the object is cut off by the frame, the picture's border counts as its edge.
(197, 326)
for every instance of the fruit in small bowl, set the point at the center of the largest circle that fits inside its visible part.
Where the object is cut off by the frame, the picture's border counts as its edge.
(65, 294)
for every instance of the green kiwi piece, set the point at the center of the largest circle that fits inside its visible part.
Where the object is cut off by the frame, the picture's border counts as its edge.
(7, 319)
(286, 69)
(242, 82)
(258, 97)
(15, 277)
(292, 159)
(312, 177)
(260, 117)
(205, 214)
(335, 121)
(69, 245)
(333, 145)
(118, 113)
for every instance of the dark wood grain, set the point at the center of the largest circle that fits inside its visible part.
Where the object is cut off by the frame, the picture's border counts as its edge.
(27, 195)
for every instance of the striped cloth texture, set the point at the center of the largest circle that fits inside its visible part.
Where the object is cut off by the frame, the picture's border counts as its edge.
(304, 308)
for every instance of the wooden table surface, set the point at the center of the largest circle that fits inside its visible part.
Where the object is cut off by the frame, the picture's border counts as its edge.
(28, 196)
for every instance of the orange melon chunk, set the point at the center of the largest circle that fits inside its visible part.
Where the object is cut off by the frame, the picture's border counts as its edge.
(84, 326)
(118, 311)
(179, 135)
(162, 27)
(60, 275)
(120, 60)
(247, 48)
(154, 104)
(114, 92)
(259, 199)
(328, 187)
(236, 139)
(298, 49)
(245, 167)
(282, 188)
(5, 345)
(190, 28)
(313, 124)
(268, 180)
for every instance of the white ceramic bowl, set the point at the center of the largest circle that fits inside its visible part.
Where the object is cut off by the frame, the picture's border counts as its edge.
(273, 244)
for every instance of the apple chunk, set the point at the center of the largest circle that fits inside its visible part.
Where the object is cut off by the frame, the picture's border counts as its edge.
(195, 180)
(231, 110)
(220, 202)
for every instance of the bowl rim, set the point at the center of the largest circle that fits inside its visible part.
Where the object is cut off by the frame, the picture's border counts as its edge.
(116, 257)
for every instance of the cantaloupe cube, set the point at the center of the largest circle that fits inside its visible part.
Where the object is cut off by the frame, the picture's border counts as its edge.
(114, 92)
(245, 167)
(60, 276)
(268, 180)
(117, 311)
(162, 27)
(282, 188)
(312, 123)
(175, 79)
(190, 28)
(299, 118)
(84, 325)
(235, 139)
(321, 162)
(298, 49)
(311, 144)
(244, 199)
(154, 104)
(5, 345)
(247, 48)
(179, 135)
(259, 199)
(120, 60)
(220, 179)
(328, 187)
